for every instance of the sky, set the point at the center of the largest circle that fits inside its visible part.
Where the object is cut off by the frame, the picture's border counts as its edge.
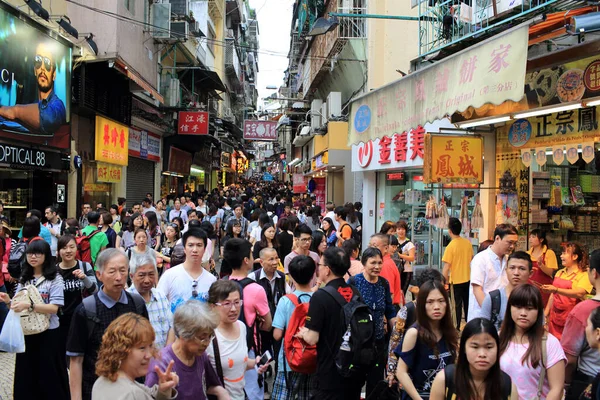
(274, 24)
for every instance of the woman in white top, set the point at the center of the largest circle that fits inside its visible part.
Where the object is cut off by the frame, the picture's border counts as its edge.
(406, 252)
(230, 339)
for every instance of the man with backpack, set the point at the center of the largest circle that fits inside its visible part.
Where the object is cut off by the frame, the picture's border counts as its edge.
(345, 345)
(518, 271)
(92, 317)
(295, 378)
(98, 240)
(345, 231)
(256, 313)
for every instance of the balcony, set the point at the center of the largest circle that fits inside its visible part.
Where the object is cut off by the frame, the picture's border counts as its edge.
(216, 9)
(450, 25)
(234, 11)
(325, 47)
(232, 61)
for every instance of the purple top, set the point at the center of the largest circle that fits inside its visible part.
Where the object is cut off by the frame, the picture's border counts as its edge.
(190, 387)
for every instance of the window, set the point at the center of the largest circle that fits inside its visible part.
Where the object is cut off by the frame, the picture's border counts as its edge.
(130, 6)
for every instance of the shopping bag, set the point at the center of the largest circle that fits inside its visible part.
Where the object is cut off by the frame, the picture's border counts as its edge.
(12, 339)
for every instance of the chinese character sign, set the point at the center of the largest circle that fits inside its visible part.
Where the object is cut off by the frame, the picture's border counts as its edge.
(192, 123)
(180, 161)
(453, 159)
(108, 173)
(260, 130)
(112, 141)
(491, 72)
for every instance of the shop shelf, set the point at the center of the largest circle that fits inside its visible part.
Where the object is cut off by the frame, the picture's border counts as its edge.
(14, 207)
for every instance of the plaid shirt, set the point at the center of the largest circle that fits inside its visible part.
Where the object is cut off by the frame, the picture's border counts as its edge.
(161, 317)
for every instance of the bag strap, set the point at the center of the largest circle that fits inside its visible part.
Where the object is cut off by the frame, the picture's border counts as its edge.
(336, 295)
(543, 365)
(218, 365)
(294, 299)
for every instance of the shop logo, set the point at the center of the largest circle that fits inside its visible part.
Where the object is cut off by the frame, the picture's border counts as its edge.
(519, 133)
(365, 153)
(362, 118)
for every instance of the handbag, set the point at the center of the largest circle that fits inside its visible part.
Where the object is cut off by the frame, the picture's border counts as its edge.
(32, 322)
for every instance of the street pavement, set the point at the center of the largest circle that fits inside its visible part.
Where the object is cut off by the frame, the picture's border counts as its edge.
(7, 375)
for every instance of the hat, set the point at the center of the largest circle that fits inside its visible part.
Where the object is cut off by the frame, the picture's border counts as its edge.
(6, 227)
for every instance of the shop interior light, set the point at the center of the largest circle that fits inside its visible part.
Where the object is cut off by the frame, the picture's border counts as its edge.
(549, 110)
(489, 121)
(592, 103)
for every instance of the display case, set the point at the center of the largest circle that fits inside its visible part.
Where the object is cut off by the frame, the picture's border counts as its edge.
(15, 194)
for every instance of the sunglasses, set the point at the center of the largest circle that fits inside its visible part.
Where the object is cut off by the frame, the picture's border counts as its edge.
(195, 289)
(45, 60)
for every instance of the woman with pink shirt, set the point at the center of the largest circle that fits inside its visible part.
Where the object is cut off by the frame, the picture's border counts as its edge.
(522, 339)
(350, 246)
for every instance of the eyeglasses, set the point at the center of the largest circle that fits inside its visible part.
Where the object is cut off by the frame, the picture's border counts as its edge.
(194, 289)
(205, 341)
(45, 60)
(36, 255)
(227, 304)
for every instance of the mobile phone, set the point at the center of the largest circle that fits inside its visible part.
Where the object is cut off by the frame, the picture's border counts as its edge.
(265, 358)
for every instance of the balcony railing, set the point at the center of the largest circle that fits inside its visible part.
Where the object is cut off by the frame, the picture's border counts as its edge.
(352, 27)
(232, 61)
(445, 23)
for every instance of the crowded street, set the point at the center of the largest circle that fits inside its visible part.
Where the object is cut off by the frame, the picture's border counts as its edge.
(299, 200)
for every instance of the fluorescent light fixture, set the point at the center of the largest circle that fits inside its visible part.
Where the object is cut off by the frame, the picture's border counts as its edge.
(295, 161)
(549, 110)
(592, 103)
(489, 121)
(196, 170)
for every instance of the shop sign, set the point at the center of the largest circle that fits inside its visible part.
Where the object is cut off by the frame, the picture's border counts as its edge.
(216, 159)
(108, 173)
(112, 141)
(453, 159)
(299, 182)
(96, 187)
(398, 177)
(321, 160)
(225, 159)
(180, 161)
(320, 191)
(566, 127)
(34, 65)
(23, 157)
(492, 71)
(192, 123)
(267, 177)
(260, 130)
(143, 144)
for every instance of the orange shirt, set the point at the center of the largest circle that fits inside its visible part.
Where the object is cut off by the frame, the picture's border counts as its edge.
(390, 272)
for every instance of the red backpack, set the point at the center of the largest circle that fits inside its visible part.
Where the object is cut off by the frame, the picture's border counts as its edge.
(301, 357)
(84, 249)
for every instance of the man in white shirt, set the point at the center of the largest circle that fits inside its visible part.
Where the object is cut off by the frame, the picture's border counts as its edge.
(53, 225)
(147, 206)
(330, 207)
(487, 267)
(188, 280)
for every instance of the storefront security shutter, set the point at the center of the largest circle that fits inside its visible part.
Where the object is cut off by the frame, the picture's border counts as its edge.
(140, 179)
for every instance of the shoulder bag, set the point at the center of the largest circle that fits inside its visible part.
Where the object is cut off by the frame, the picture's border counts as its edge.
(32, 322)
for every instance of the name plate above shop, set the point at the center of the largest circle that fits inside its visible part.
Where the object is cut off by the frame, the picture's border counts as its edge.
(28, 158)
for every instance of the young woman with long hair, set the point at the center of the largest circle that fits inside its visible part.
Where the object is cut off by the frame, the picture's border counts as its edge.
(521, 346)
(314, 218)
(224, 297)
(329, 230)
(544, 260)
(285, 237)
(234, 230)
(41, 371)
(318, 243)
(267, 239)
(429, 345)
(127, 240)
(154, 230)
(477, 374)
(167, 246)
(571, 284)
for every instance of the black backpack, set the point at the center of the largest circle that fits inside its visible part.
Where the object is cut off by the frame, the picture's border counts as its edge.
(357, 351)
(496, 304)
(89, 305)
(227, 214)
(251, 331)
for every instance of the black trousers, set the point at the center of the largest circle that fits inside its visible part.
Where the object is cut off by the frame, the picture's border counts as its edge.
(405, 277)
(461, 300)
(377, 373)
(348, 392)
(41, 372)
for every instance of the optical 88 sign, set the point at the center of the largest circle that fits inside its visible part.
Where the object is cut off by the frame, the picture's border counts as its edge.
(22, 156)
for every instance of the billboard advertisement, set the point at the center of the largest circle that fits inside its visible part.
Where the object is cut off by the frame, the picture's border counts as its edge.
(35, 82)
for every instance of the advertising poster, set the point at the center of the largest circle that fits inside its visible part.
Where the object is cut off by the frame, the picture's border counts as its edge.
(35, 83)
(320, 192)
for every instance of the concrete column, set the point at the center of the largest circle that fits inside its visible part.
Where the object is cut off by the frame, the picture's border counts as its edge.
(488, 196)
(369, 206)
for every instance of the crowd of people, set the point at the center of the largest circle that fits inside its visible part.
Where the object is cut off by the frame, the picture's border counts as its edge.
(205, 295)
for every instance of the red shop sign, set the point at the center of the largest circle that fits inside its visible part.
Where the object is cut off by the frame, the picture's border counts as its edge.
(192, 123)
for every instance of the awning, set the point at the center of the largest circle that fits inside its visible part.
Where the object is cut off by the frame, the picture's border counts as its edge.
(492, 71)
(126, 69)
(208, 80)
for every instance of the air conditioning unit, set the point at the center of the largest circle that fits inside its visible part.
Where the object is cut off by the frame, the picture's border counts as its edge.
(179, 29)
(315, 118)
(197, 32)
(324, 113)
(334, 105)
(161, 20)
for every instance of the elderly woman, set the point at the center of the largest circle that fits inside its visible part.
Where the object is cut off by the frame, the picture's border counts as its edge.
(124, 356)
(144, 275)
(194, 324)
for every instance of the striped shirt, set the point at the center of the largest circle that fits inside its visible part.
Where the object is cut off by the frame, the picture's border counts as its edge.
(160, 315)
